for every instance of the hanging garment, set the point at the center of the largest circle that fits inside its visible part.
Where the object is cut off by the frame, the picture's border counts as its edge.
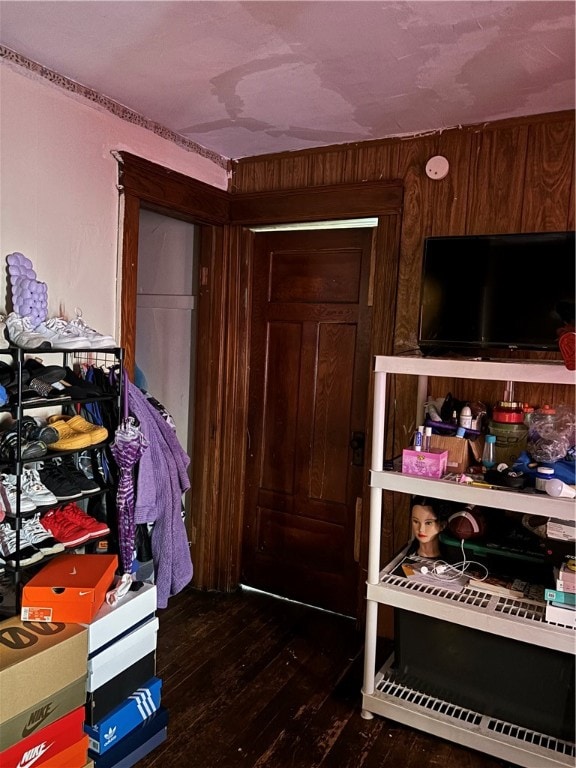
(162, 479)
(127, 448)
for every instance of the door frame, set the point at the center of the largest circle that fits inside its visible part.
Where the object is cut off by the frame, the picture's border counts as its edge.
(217, 494)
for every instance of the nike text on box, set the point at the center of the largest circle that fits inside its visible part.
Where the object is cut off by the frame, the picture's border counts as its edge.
(70, 588)
(43, 667)
(38, 748)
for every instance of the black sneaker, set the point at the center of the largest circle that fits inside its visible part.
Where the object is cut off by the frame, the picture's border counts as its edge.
(56, 481)
(76, 476)
(33, 429)
(28, 449)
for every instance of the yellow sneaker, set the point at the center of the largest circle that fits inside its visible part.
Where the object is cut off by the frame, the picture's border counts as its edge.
(68, 439)
(96, 433)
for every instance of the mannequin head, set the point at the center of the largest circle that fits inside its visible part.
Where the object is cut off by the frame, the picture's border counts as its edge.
(427, 522)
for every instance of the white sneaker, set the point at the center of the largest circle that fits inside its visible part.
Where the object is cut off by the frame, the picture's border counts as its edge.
(35, 489)
(97, 340)
(60, 334)
(22, 334)
(26, 503)
(34, 533)
(24, 554)
(4, 343)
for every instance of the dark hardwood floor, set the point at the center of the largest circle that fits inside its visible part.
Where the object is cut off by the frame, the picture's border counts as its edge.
(253, 680)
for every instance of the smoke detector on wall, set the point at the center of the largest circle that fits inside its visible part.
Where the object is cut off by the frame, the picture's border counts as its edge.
(437, 167)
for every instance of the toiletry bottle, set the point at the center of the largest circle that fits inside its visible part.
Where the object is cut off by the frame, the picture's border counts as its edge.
(426, 441)
(466, 417)
(418, 438)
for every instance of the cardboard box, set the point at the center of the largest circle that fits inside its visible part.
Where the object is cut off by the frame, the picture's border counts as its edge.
(462, 453)
(43, 713)
(42, 746)
(38, 661)
(139, 706)
(106, 698)
(112, 622)
(430, 463)
(115, 658)
(70, 588)
(75, 755)
(139, 743)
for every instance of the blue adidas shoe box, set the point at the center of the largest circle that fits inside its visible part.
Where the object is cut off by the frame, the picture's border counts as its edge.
(137, 744)
(139, 706)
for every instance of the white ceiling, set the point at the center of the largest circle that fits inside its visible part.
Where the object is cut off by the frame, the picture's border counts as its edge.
(249, 78)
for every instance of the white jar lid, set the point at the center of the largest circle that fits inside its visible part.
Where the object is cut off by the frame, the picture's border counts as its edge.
(545, 471)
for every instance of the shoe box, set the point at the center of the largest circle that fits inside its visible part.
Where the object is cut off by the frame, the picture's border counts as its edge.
(137, 744)
(105, 698)
(118, 723)
(42, 675)
(70, 588)
(113, 659)
(76, 754)
(112, 622)
(47, 743)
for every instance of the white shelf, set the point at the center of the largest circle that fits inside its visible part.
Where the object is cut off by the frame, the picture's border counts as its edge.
(512, 501)
(471, 729)
(520, 620)
(532, 372)
(516, 618)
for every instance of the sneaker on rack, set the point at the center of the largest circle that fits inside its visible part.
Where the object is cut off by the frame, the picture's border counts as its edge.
(10, 488)
(33, 429)
(78, 517)
(22, 334)
(57, 482)
(69, 439)
(13, 555)
(67, 466)
(58, 332)
(35, 489)
(4, 343)
(35, 534)
(97, 340)
(28, 449)
(64, 529)
(96, 432)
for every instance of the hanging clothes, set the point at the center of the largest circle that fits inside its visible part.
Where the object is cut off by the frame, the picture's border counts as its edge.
(127, 448)
(162, 479)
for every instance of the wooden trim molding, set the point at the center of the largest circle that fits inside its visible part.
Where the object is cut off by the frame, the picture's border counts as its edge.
(317, 203)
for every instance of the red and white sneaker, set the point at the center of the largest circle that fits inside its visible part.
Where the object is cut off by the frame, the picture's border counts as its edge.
(64, 529)
(94, 528)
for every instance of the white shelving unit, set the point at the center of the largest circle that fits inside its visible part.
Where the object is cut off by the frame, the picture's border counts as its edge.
(518, 619)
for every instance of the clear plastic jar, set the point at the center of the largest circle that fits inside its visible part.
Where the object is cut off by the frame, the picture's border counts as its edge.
(543, 474)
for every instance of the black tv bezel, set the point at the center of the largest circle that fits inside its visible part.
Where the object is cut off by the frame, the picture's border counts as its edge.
(442, 347)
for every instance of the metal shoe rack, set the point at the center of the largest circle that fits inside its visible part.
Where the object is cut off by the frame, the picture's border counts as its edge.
(17, 409)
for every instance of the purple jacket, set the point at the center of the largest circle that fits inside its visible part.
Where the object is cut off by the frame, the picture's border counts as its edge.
(162, 478)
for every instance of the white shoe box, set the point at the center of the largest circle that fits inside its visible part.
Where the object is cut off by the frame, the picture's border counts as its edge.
(117, 656)
(112, 622)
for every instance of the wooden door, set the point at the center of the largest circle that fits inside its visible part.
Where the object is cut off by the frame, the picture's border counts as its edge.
(309, 369)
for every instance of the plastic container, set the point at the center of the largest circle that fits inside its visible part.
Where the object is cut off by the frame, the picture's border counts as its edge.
(466, 417)
(511, 438)
(543, 474)
(508, 412)
(489, 452)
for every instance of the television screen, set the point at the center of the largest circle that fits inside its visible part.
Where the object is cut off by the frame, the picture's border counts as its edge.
(496, 291)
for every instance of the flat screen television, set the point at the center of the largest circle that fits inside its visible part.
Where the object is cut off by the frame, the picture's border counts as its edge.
(482, 292)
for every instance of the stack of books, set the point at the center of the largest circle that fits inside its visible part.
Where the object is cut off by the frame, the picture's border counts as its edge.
(561, 602)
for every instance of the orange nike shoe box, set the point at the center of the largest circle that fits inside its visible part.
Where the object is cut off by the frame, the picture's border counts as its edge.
(72, 757)
(70, 588)
(46, 745)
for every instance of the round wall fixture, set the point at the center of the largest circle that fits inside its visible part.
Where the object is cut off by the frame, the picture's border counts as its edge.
(437, 167)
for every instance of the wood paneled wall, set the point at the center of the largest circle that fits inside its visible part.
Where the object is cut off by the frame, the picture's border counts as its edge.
(508, 176)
